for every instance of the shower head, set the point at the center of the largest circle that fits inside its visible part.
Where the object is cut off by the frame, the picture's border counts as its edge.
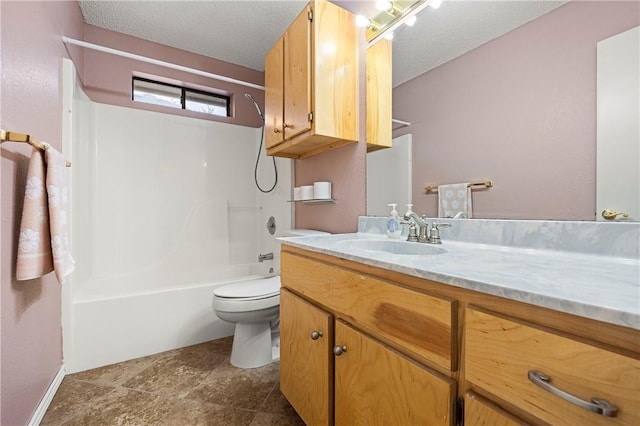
(251, 99)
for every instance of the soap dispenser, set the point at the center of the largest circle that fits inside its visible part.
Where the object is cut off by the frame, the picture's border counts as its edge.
(408, 209)
(393, 223)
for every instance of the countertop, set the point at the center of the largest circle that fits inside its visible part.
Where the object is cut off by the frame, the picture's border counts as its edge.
(604, 288)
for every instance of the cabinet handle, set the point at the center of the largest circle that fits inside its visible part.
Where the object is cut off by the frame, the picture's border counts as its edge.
(597, 405)
(315, 335)
(339, 350)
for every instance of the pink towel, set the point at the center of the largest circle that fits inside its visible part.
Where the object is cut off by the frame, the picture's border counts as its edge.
(44, 242)
(454, 199)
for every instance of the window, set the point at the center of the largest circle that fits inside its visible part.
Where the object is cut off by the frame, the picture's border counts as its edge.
(157, 93)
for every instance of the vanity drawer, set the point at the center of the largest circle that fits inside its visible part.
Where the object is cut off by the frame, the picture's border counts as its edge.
(420, 325)
(500, 354)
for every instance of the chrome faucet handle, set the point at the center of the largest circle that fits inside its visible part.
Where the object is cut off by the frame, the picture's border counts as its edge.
(434, 233)
(413, 234)
(423, 237)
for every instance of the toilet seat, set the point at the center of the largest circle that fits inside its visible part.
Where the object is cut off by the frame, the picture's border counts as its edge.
(250, 290)
(247, 296)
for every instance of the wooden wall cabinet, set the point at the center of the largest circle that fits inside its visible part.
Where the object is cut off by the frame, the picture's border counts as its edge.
(311, 84)
(423, 352)
(379, 96)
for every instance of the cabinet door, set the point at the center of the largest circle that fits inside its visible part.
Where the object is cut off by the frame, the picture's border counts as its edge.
(274, 95)
(297, 76)
(479, 412)
(306, 363)
(379, 87)
(374, 385)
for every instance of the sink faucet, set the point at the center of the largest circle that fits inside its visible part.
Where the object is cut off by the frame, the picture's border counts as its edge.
(434, 232)
(422, 223)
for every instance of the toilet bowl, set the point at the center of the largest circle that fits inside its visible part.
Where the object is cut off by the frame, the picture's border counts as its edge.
(254, 307)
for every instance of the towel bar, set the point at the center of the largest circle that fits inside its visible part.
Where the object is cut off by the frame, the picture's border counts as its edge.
(485, 184)
(7, 136)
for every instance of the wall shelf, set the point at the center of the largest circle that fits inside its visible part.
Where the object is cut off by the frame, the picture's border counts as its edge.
(314, 201)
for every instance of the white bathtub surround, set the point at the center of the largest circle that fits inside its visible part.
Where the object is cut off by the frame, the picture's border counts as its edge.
(164, 210)
(589, 269)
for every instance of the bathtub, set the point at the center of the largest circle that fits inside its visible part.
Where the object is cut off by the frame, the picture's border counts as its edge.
(147, 322)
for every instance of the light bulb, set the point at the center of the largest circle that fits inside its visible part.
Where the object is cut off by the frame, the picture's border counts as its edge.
(435, 4)
(384, 5)
(411, 20)
(389, 35)
(362, 21)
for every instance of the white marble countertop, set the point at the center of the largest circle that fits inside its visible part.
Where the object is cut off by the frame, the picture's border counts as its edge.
(604, 288)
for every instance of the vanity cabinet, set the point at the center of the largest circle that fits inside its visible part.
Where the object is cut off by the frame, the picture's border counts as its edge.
(385, 350)
(311, 79)
(416, 351)
(504, 357)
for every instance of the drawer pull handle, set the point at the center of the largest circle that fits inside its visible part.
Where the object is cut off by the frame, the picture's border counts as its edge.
(339, 350)
(315, 335)
(597, 405)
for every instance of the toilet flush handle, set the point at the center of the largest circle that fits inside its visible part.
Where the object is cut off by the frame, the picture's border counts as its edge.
(315, 335)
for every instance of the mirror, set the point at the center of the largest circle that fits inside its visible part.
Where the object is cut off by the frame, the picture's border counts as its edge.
(393, 186)
(518, 109)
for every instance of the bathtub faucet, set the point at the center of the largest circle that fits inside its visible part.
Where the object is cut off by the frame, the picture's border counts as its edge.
(263, 257)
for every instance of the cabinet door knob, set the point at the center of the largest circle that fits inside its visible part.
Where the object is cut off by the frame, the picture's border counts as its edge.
(315, 335)
(339, 350)
(597, 405)
(287, 126)
(276, 130)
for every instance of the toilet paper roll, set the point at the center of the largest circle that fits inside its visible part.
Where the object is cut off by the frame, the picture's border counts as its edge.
(307, 192)
(297, 193)
(322, 190)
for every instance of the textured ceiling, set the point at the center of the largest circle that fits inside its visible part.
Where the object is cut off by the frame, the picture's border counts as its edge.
(243, 31)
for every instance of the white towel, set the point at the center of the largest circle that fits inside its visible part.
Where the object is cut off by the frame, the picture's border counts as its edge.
(454, 199)
(44, 243)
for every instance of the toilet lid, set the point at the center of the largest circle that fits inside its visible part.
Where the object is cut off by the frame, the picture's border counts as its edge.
(258, 288)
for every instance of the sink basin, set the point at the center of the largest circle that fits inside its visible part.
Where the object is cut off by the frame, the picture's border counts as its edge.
(392, 247)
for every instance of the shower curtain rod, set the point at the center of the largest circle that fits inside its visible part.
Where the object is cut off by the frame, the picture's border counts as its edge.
(68, 40)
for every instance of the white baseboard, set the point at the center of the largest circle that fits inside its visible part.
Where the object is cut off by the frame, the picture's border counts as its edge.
(46, 399)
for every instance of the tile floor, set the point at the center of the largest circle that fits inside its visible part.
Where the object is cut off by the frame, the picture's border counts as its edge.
(195, 385)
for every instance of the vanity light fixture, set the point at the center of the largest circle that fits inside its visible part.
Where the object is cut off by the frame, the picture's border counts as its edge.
(364, 22)
(411, 20)
(389, 7)
(399, 15)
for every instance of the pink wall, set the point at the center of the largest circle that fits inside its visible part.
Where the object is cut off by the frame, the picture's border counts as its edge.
(107, 78)
(519, 110)
(345, 169)
(30, 317)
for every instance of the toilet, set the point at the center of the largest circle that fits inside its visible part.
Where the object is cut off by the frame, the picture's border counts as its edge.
(254, 307)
